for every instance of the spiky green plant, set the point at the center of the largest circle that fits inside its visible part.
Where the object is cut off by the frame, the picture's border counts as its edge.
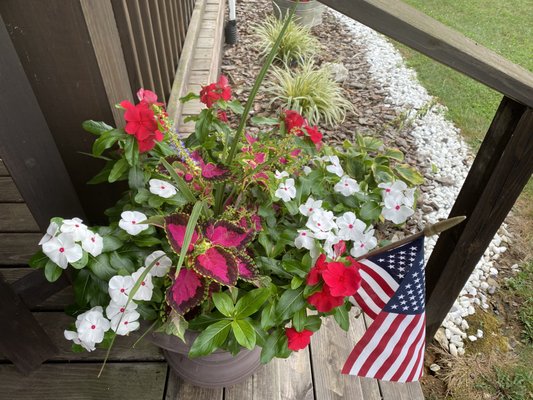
(310, 90)
(297, 45)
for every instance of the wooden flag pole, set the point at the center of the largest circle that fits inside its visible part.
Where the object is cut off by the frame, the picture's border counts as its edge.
(429, 230)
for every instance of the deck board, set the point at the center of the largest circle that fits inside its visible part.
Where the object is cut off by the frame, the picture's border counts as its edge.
(17, 248)
(177, 389)
(8, 191)
(16, 217)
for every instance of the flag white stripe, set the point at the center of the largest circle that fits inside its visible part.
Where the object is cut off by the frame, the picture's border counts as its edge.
(382, 273)
(420, 364)
(401, 357)
(411, 364)
(368, 300)
(369, 348)
(376, 287)
(390, 345)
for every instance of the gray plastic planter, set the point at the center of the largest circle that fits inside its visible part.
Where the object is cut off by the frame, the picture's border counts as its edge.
(307, 13)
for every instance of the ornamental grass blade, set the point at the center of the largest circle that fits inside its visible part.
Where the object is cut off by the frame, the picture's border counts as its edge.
(180, 183)
(189, 231)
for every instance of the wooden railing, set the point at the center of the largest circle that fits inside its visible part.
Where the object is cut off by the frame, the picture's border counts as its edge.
(503, 164)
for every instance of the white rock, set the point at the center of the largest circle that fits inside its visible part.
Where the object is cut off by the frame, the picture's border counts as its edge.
(453, 350)
(479, 333)
(472, 338)
(434, 367)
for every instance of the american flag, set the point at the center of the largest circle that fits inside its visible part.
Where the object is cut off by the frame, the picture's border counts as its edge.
(392, 293)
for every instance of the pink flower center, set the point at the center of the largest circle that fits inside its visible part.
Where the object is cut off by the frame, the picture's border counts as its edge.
(345, 184)
(285, 188)
(310, 210)
(61, 249)
(142, 283)
(122, 309)
(304, 234)
(157, 264)
(350, 226)
(93, 326)
(162, 187)
(133, 222)
(318, 224)
(387, 190)
(397, 208)
(93, 239)
(77, 226)
(122, 290)
(125, 322)
(362, 245)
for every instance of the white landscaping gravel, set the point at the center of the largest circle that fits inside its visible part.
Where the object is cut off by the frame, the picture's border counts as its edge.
(448, 160)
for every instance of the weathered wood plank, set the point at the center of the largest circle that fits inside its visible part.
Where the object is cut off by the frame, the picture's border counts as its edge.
(17, 248)
(330, 348)
(56, 302)
(8, 191)
(211, 15)
(278, 380)
(3, 169)
(434, 39)
(198, 78)
(119, 381)
(457, 253)
(34, 288)
(55, 323)
(16, 217)
(177, 389)
(205, 43)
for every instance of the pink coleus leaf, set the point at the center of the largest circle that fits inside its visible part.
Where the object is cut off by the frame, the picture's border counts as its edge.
(175, 226)
(227, 234)
(218, 264)
(213, 172)
(188, 290)
(247, 268)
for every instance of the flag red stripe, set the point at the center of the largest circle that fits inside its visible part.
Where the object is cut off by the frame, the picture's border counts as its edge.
(416, 367)
(364, 306)
(379, 279)
(401, 368)
(367, 287)
(397, 349)
(383, 340)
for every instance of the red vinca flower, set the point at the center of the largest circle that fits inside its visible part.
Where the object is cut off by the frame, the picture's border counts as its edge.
(316, 272)
(294, 122)
(298, 340)
(314, 134)
(140, 122)
(341, 280)
(324, 301)
(215, 91)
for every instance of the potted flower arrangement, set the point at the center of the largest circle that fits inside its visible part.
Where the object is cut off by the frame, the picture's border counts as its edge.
(234, 244)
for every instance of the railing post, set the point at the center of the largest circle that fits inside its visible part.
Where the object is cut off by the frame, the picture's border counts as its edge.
(500, 171)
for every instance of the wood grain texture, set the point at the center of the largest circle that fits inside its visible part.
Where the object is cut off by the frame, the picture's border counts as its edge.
(16, 217)
(279, 380)
(161, 51)
(17, 248)
(450, 267)
(33, 288)
(330, 348)
(119, 381)
(411, 27)
(22, 340)
(8, 191)
(3, 169)
(105, 39)
(177, 389)
(55, 323)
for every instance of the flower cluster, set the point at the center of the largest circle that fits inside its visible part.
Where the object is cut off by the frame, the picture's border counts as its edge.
(214, 92)
(297, 125)
(397, 201)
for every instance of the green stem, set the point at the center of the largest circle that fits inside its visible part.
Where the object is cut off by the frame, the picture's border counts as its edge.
(220, 188)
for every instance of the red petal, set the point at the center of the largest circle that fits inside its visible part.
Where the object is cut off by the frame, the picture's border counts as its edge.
(214, 172)
(247, 268)
(175, 226)
(217, 264)
(227, 234)
(297, 340)
(324, 301)
(187, 291)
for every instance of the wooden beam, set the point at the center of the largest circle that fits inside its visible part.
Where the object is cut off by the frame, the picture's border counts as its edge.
(17, 248)
(411, 27)
(16, 217)
(500, 171)
(105, 39)
(27, 146)
(22, 340)
(33, 288)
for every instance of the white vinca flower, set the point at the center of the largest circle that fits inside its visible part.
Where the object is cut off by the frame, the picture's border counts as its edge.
(331, 240)
(162, 188)
(93, 244)
(307, 170)
(347, 186)
(310, 206)
(92, 325)
(392, 188)
(321, 222)
(119, 288)
(125, 322)
(62, 250)
(73, 335)
(286, 190)
(409, 197)
(349, 226)
(131, 222)
(305, 239)
(363, 243)
(281, 175)
(76, 227)
(161, 266)
(52, 230)
(114, 309)
(395, 210)
(335, 166)
(144, 292)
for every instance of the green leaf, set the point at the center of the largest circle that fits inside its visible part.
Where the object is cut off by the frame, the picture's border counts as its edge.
(146, 241)
(370, 211)
(103, 175)
(101, 267)
(382, 173)
(244, 333)
(296, 282)
(223, 303)
(96, 127)
(341, 316)
(120, 167)
(290, 302)
(299, 319)
(180, 183)
(264, 121)
(251, 302)
(210, 339)
(268, 316)
(82, 262)
(38, 260)
(236, 107)
(409, 174)
(394, 154)
(191, 225)
(176, 325)
(120, 262)
(142, 195)
(131, 150)
(107, 140)
(111, 243)
(188, 97)
(313, 323)
(275, 346)
(204, 320)
(136, 178)
(294, 267)
(52, 272)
